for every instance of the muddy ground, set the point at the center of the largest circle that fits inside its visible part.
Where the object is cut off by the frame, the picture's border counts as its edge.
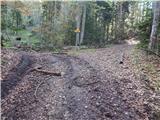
(92, 86)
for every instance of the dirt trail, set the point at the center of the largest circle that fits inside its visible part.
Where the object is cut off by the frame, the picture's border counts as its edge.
(93, 87)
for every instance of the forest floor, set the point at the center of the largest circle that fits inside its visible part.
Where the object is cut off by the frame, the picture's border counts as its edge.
(93, 85)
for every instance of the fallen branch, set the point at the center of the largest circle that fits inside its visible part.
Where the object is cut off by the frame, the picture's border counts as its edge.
(47, 72)
(35, 93)
(38, 69)
(39, 99)
(151, 52)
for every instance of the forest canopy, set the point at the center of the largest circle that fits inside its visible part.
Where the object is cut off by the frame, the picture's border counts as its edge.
(52, 25)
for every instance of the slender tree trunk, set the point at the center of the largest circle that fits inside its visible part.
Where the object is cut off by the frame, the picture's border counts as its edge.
(17, 19)
(107, 31)
(78, 24)
(55, 13)
(112, 28)
(83, 24)
(115, 29)
(112, 22)
(77, 33)
(118, 21)
(121, 25)
(156, 17)
(104, 33)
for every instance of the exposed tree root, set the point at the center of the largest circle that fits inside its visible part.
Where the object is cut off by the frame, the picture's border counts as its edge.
(35, 93)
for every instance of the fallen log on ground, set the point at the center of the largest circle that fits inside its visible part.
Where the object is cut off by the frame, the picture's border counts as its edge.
(48, 72)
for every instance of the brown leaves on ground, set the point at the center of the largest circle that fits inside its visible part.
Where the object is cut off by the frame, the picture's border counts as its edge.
(9, 59)
(132, 80)
(149, 66)
(94, 86)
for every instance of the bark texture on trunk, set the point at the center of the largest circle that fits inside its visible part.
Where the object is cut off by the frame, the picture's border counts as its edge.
(83, 24)
(156, 18)
(107, 31)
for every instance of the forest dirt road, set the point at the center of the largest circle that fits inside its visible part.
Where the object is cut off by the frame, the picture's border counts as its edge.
(93, 86)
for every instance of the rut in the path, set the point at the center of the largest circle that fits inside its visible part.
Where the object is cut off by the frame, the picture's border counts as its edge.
(89, 96)
(79, 76)
(15, 75)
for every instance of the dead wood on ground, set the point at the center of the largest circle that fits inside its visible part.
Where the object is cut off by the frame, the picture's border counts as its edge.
(48, 72)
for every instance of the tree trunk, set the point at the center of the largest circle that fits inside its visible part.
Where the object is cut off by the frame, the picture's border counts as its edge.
(156, 16)
(55, 14)
(121, 30)
(83, 24)
(112, 22)
(77, 27)
(118, 19)
(107, 32)
(17, 19)
(112, 28)
(104, 33)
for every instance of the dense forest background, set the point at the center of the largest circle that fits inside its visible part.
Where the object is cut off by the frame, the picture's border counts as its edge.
(51, 25)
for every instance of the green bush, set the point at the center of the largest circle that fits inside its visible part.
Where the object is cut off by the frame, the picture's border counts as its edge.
(144, 29)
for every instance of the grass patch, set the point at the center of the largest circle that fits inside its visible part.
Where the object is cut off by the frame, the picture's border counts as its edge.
(7, 44)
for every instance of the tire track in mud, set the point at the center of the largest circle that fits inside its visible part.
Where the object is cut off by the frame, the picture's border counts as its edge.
(15, 75)
(102, 100)
(75, 96)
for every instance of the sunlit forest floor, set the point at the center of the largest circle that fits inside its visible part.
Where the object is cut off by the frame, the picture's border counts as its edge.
(94, 84)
